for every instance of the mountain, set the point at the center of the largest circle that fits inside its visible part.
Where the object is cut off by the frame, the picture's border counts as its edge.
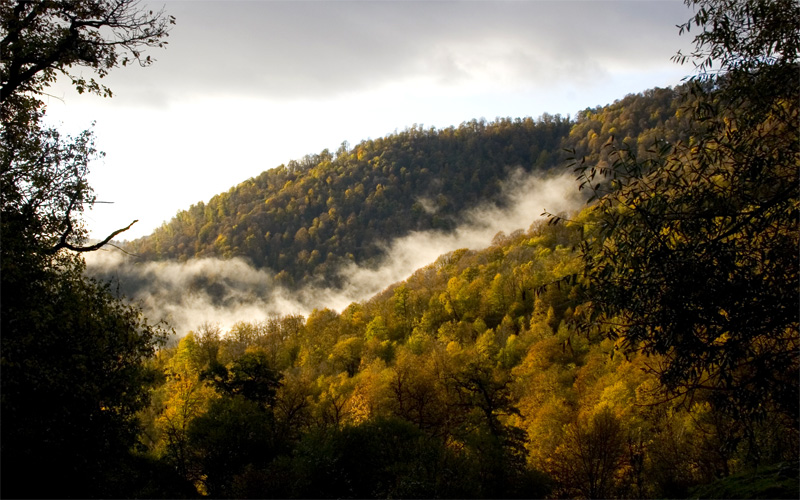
(304, 220)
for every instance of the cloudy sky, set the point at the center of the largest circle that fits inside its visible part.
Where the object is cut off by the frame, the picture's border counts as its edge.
(247, 86)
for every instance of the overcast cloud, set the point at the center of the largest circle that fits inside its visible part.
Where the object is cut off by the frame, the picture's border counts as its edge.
(320, 50)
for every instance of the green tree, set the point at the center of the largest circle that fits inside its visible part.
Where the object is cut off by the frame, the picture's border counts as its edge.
(346, 355)
(250, 376)
(234, 433)
(73, 380)
(694, 254)
(71, 353)
(380, 458)
(177, 402)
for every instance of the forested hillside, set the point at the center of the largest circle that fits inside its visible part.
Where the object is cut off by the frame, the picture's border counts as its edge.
(471, 379)
(305, 219)
(646, 345)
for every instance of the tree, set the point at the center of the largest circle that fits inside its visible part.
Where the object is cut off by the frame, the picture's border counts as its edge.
(588, 460)
(44, 38)
(44, 190)
(44, 176)
(249, 376)
(72, 353)
(73, 380)
(234, 433)
(694, 253)
(744, 36)
(416, 393)
(182, 397)
(379, 458)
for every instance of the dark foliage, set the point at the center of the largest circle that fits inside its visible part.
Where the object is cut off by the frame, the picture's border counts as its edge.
(71, 352)
(694, 257)
(72, 381)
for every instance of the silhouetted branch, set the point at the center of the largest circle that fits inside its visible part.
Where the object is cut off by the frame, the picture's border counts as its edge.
(64, 244)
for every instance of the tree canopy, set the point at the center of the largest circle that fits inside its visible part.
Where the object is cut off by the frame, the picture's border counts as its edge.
(693, 255)
(307, 219)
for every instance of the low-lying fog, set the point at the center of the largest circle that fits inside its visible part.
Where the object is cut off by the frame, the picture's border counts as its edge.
(208, 290)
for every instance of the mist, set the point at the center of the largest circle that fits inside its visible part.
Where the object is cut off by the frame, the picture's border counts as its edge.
(224, 292)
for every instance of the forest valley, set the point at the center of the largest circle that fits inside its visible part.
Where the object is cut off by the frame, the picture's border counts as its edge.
(645, 345)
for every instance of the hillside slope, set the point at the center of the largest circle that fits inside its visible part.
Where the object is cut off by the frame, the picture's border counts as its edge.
(481, 378)
(305, 219)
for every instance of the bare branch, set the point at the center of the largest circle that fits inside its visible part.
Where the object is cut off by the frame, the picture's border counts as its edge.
(64, 244)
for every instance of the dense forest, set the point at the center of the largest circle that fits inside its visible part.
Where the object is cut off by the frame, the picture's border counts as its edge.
(469, 379)
(307, 219)
(645, 346)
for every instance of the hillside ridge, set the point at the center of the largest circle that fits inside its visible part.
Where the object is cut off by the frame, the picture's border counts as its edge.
(307, 219)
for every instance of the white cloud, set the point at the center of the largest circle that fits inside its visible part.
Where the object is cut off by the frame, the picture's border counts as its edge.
(320, 50)
(527, 196)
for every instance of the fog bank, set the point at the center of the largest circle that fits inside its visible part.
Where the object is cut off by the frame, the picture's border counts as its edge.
(209, 290)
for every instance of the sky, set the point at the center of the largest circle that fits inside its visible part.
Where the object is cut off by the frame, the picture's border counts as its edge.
(245, 86)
